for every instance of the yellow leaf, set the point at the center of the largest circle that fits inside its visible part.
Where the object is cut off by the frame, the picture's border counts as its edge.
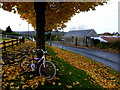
(59, 84)
(22, 79)
(43, 80)
(11, 87)
(4, 75)
(77, 82)
(31, 75)
(53, 83)
(68, 86)
(24, 86)
(42, 83)
(9, 69)
(70, 73)
(11, 83)
(13, 77)
(37, 83)
(49, 59)
(74, 83)
(17, 87)
(36, 86)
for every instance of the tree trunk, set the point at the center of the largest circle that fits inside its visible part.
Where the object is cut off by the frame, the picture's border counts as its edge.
(50, 39)
(40, 8)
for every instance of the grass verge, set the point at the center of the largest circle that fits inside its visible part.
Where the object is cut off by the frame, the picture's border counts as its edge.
(105, 76)
(70, 76)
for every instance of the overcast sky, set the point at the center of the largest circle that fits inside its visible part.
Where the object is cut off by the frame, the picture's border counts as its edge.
(103, 19)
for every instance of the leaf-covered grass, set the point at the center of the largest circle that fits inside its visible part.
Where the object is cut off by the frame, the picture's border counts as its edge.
(105, 76)
(67, 76)
(70, 76)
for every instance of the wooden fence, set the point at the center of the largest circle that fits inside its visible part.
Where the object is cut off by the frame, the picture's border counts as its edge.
(11, 43)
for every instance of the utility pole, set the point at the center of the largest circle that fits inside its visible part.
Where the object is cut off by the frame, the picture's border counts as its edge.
(50, 38)
(19, 26)
(62, 38)
(28, 30)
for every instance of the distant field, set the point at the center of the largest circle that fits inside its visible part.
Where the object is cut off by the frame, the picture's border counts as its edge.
(2, 38)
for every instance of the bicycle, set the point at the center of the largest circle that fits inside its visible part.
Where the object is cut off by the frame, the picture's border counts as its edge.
(46, 69)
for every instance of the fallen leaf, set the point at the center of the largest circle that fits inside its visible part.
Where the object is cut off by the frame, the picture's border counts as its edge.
(42, 83)
(59, 84)
(68, 86)
(53, 83)
(70, 73)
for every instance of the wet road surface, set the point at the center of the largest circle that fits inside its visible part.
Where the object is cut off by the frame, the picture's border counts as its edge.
(107, 58)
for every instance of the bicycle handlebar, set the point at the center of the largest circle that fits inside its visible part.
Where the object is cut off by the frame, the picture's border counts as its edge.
(38, 50)
(42, 51)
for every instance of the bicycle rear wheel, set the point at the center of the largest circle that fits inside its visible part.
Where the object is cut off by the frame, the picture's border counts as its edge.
(25, 63)
(47, 72)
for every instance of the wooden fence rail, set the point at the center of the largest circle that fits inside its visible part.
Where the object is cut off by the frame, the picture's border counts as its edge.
(11, 43)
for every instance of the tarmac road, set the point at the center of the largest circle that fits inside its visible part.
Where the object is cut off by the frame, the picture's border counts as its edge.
(107, 58)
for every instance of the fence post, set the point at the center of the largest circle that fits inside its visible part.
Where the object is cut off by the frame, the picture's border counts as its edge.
(23, 39)
(17, 42)
(12, 44)
(4, 46)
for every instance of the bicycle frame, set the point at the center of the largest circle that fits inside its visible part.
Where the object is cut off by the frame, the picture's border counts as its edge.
(39, 60)
(41, 65)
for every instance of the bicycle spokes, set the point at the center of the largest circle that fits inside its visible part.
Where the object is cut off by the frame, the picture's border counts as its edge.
(25, 63)
(48, 71)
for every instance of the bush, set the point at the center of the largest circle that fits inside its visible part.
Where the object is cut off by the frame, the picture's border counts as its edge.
(110, 45)
(116, 45)
(96, 41)
(13, 33)
(102, 45)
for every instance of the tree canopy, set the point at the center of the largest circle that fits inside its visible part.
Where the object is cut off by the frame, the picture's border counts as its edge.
(56, 14)
(8, 29)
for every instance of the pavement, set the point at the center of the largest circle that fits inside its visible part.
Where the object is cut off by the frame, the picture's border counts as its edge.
(107, 58)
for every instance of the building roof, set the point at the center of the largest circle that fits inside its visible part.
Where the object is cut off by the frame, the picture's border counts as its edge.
(107, 38)
(82, 33)
(99, 38)
(111, 38)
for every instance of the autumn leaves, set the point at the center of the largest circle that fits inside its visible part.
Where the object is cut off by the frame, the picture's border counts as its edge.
(88, 74)
(12, 75)
(104, 75)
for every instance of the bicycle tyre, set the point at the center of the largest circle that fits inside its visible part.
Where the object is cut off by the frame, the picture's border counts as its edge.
(25, 63)
(49, 71)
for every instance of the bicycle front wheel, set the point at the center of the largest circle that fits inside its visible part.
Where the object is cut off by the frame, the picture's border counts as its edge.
(47, 71)
(25, 63)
